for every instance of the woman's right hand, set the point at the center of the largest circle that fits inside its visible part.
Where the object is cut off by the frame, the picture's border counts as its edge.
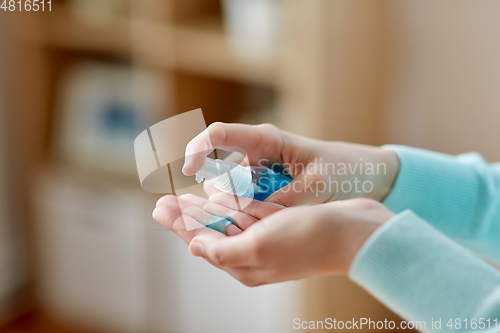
(268, 243)
(322, 171)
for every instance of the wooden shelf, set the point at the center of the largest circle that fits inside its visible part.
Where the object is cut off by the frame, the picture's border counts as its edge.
(197, 48)
(206, 51)
(63, 29)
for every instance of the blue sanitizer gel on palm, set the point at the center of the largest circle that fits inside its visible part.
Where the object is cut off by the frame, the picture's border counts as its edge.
(250, 182)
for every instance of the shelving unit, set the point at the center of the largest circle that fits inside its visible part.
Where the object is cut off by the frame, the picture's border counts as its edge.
(192, 46)
(62, 30)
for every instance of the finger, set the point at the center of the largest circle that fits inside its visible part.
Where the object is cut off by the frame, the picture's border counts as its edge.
(194, 200)
(233, 230)
(237, 158)
(219, 223)
(172, 207)
(201, 215)
(229, 230)
(166, 199)
(266, 139)
(169, 214)
(178, 208)
(236, 251)
(167, 211)
(210, 189)
(255, 208)
(242, 220)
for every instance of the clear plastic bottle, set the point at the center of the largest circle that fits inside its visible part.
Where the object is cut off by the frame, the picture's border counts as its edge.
(256, 182)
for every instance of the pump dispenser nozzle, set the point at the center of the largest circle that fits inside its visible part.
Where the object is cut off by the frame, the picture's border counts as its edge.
(227, 176)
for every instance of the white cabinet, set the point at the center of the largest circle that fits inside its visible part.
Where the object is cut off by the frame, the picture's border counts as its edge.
(91, 251)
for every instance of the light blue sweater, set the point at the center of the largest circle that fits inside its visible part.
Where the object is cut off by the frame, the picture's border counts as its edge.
(423, 263)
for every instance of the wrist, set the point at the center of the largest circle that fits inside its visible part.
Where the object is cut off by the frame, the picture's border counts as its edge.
(390, 161)
(359, 219)
(363, 232)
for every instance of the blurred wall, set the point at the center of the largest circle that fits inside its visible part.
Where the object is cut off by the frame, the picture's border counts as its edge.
(356, 70)
(334, 75)
(445, 76)
(413, 72)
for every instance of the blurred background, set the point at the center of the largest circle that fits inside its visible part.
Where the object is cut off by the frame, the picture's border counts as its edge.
(79, 251)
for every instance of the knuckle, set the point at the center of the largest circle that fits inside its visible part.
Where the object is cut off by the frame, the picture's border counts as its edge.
(216, 125)
(216, 131)
(315, 178)
(217, 256)
(267, 127)
(258, 251)
(254, 284)
(281, 200)
(165, 213)
(248, 282)
(218, 197)
(166, 200)
(177, 225)
(187, 196)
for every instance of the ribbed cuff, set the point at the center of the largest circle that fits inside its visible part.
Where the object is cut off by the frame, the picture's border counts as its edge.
(421, 274)
(437, 187)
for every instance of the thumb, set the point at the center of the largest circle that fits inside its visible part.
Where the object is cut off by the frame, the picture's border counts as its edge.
(234, 251)
(301, 190)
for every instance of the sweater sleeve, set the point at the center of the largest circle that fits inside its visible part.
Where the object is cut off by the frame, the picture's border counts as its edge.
(460, 196)
(425, 277)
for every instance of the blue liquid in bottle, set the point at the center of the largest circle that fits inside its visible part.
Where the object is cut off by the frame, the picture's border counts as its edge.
(256, 182)
(267, 181)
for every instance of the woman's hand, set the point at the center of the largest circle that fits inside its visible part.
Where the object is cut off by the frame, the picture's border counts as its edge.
(322, 171)
(286, 244)
(188, 214)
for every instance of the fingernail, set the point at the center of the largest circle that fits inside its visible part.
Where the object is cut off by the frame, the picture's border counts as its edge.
(153, 214)
(197, 249)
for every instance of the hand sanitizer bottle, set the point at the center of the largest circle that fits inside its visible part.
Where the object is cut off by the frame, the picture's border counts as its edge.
(232, 178)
